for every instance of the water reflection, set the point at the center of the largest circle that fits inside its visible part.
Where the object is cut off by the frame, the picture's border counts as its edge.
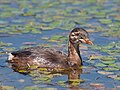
(45, 76)
(74, 79)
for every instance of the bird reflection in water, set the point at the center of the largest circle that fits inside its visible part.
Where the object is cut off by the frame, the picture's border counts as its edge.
(73, 73)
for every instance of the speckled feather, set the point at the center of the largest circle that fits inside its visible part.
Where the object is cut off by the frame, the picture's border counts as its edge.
(41, 56)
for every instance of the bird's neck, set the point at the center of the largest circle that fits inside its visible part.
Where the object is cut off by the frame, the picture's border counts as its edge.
(74, 54)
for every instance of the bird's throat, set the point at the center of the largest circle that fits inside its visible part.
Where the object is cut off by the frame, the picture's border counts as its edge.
(74, 54)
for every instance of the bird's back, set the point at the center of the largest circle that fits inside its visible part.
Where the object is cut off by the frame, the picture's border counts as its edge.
(40, 56)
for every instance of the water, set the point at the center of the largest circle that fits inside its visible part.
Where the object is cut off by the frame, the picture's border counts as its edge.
(89, 75)
(11, 78)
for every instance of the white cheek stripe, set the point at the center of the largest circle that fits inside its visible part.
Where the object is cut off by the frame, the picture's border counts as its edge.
(73, 33)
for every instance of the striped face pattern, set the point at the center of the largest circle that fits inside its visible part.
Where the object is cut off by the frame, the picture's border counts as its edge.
(77, 34)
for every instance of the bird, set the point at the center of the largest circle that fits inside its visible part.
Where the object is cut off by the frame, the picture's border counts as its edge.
(49, 57)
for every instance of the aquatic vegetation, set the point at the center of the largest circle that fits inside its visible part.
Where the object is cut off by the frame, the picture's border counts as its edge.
(3, 44)
(37, 88)
(58, 38)
(105, 21)
(7, 88)
(109, 63)
(49, 15)
(22, 17)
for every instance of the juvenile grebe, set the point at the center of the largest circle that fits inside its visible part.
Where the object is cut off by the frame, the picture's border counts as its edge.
(51, 58)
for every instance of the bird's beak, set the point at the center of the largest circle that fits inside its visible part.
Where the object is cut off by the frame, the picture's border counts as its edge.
(86, 41)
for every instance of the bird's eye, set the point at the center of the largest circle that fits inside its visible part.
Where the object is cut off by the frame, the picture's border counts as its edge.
(72, 35)
(84, 36)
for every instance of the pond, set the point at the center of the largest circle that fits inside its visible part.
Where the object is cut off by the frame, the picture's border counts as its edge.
(28, 23)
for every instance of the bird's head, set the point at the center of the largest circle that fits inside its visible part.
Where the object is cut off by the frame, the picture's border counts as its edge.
(79, 35)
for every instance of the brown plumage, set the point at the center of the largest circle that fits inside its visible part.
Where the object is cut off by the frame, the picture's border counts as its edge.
(51, 58)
